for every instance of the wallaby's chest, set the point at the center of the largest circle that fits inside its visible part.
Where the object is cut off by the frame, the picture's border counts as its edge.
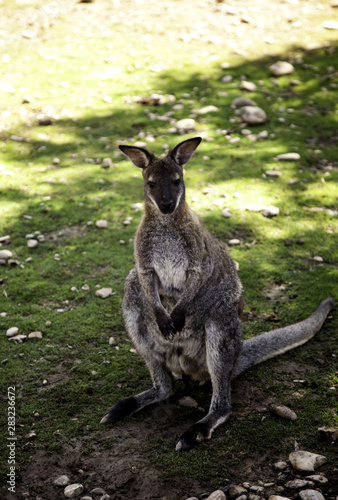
(169, 259)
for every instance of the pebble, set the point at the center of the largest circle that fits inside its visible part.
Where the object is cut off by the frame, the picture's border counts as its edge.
(254, 207)
(288, 157)
(217, 495)
(296, 484)
(97, 491)
(61, 481)
(136, 206)
(102, 224)
(273, 173)
(18, 338)
(281, 68)
(281, 465)
(253, 115)
(277, 497)
(234, 242)
(311, 495)
(330, 25)
(32, 243)
(225, 213)
(107, 163)
(73, 490)
(236, 491)
(103, 293)
(306, 461)
(5, 254)
(270, 211)
(205, 110)
(283, 411)
(188, 402)
(317, 479)
(186, 125)
(249, 86)
(240, 102)
(11, 332)
(328, 433)
(317, 258)
(35, 335)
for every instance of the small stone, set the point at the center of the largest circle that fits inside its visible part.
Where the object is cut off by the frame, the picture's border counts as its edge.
(102, 224)
(48, 323)
(18, 338)
(73, 490)
(56, 161)
(112, 341)
(225, 213)
(61, 481)
(249, 86)
(257, 489)
(186, 125)
(240, 102)
(107, 163)
(288, 157)
(97, 491)
(270, 211)
(253, 115)
(296, 484)
(317, 258)
(30, 435)
(280, 465)
(5, 254)
(311, 494)
(277, 497)
(32, 243)
(234, 242)
(103, 293)
(317, 479)
(217, 495)
(254, 207)
(273, 173)
(11, 332)
(44, 120)
(328, 433)
(35, 335)
(330, 25)
(85, 287)
(136, 206)
(236, 491)
(283, 411)
(281, 68)
(188, 402)
(205, 110)
(305, 461)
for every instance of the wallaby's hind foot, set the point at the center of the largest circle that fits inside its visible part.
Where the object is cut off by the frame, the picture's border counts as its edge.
(120, 410)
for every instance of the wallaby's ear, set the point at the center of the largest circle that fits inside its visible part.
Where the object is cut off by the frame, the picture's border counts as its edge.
(139, 156)
(184, 151)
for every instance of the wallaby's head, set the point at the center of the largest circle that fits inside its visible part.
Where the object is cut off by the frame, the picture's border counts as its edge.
(163, 178)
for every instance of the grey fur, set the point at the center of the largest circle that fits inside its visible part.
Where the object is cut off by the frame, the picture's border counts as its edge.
(183, 301)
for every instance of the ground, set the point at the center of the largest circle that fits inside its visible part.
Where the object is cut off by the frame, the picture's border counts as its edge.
(72, 76)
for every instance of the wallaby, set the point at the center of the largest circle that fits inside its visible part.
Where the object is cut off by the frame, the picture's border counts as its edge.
(183, 301)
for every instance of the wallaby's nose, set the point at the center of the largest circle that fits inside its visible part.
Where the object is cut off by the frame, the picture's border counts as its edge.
(166, 205)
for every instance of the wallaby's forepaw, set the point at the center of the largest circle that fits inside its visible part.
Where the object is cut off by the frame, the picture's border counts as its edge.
(121, 410)
(178, 317)
(166, 327)
(197, 433)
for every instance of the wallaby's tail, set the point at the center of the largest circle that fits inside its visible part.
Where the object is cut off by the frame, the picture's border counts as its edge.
(271, 344)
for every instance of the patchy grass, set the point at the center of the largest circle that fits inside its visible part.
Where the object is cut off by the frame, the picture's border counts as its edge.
(67, 380)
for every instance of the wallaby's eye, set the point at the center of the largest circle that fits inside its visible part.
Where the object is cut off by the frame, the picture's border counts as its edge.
(177, 182)
(150, 184)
